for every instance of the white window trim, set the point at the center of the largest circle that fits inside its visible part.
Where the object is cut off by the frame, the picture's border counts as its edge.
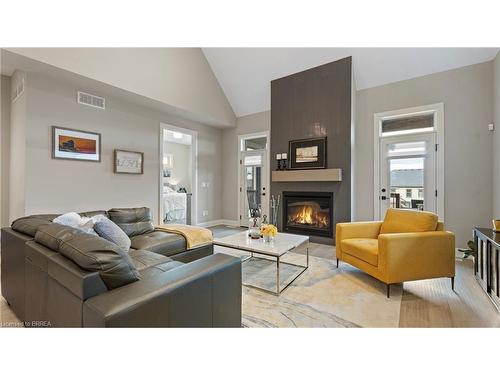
(242, 137)
(438, 110)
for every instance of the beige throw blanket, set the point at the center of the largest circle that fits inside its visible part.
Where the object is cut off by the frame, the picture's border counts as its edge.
(195, 236)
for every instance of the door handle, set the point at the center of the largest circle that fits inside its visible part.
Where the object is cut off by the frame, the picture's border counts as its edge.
(383, 197)
(263, 194)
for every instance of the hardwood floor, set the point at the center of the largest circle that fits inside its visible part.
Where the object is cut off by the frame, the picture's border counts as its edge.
(430, 303)
(426, 303)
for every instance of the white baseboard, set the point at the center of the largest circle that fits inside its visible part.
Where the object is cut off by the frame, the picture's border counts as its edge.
(213, 223)
(231, 223)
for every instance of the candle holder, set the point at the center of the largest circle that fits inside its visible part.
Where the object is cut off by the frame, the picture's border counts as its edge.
(278, 159)
(284, 158)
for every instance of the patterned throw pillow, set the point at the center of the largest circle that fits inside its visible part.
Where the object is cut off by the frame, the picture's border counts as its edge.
(108, 230)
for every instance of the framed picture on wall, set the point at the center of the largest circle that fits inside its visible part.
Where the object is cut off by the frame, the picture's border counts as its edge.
(307, 153)
(75, 144)
(130, 162)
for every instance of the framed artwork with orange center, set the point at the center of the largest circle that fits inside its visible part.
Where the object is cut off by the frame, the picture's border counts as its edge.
(75, 144)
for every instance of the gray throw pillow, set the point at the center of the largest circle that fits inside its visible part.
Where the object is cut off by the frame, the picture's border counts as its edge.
(108, 230)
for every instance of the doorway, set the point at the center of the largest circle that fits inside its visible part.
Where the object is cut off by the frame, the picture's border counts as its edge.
(178, 175)
(408, 170)
(407, 173)
(253, 190)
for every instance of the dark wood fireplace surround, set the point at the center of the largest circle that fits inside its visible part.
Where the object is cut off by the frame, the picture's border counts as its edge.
(310, 104)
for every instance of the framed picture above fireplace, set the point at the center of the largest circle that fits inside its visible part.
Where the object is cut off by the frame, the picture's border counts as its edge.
(307, 153)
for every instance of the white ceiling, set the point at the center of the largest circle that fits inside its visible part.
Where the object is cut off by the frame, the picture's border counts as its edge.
(245, 73)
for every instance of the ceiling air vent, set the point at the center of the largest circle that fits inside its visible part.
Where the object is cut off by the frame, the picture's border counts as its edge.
(91, 100)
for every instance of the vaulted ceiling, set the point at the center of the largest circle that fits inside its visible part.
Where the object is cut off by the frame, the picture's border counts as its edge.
(245, 73)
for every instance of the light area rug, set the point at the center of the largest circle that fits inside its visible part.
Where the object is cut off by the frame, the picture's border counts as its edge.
(323, 296)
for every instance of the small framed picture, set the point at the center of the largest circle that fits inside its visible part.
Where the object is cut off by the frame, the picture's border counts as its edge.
(307, 153)
(75, 144)
(130, 162)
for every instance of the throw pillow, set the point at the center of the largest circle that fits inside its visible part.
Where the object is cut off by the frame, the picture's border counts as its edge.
(74, 220)
(408, 221)
(108, 230)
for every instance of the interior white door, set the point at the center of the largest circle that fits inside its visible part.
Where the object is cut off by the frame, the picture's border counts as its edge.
(407, 167)
(253, 184)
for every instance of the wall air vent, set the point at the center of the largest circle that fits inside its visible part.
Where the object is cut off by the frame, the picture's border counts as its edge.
(91, 100)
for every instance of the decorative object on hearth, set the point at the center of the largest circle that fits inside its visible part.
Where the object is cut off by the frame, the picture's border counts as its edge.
(284, 157)
(275, 204)
(278, 159)
(268, 232)
(307, 153)
(129, 162)
(75, 144)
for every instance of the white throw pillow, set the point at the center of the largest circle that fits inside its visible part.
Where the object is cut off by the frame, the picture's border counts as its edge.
(72, 219)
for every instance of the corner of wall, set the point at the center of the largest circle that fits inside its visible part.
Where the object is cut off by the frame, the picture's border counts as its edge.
(4, 149)
(17, 170)
(496, 136)
(353, 147)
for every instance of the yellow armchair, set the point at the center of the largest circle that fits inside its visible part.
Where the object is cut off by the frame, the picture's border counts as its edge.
(387, 250)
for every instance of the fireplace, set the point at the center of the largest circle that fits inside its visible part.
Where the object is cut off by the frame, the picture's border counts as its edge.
(308, 213)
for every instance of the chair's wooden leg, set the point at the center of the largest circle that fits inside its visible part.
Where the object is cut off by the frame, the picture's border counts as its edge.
(388, 288)
(453, 283)
(337, 262)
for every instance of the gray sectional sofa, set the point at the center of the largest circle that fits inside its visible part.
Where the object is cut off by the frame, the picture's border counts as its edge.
(58, 276)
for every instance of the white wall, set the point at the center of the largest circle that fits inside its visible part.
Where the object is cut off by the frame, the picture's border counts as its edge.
(180, 77)
(4, 149)
(182, 170)
(61, 185)
(496, 146)
(255, 123)
(467, 96)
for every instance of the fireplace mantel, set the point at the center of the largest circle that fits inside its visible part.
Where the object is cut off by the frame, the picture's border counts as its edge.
(333, 174)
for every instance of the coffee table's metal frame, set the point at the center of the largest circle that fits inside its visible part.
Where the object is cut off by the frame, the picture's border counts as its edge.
(278, 262)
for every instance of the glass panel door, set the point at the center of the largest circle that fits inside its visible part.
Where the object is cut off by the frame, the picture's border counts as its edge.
(406, 183)
(407, 173)
(253, 189)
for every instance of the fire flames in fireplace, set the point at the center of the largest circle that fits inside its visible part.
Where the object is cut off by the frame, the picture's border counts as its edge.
(309, 215)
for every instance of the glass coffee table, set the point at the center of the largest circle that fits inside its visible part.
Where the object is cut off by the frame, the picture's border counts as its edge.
(281, 245)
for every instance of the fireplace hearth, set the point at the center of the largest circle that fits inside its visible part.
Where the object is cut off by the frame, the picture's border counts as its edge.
(308, 213)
